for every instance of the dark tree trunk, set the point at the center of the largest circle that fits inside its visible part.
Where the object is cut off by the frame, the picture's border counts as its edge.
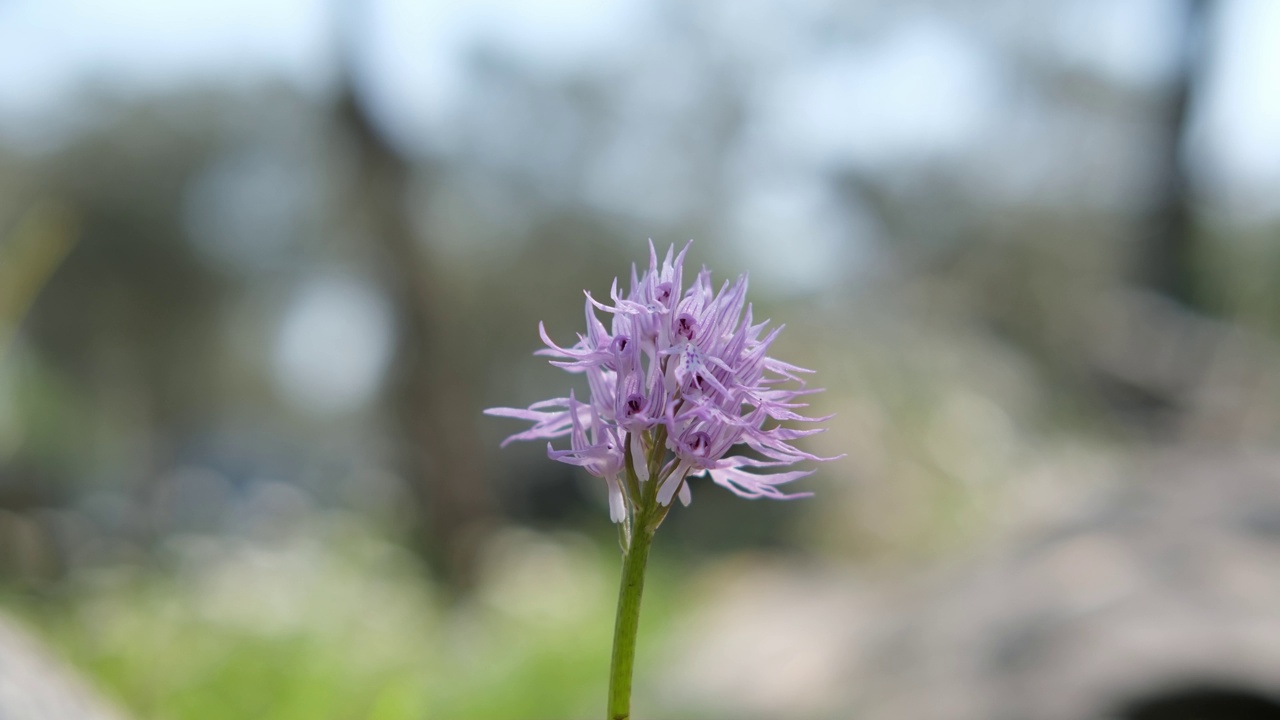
(428, 393)
(1167, 255)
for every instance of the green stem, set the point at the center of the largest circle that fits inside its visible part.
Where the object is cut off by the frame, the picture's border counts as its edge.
(624, 630)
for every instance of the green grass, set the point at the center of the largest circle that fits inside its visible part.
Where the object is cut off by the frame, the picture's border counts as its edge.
(336, 624)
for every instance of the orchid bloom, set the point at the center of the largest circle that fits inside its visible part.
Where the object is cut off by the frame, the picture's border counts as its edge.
(684, 368)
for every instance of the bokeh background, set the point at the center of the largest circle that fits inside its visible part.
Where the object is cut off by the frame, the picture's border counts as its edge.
(262, 264)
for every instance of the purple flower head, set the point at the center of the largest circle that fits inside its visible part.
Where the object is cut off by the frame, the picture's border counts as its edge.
(679, 380)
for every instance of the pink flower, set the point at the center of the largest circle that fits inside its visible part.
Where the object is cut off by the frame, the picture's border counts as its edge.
(687, 368)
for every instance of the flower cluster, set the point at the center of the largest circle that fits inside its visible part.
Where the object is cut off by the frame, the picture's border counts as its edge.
(678, 380)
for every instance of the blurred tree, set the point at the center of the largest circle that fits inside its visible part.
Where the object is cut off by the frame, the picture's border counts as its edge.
(1169, 261)
(28, 256)
(429, 393)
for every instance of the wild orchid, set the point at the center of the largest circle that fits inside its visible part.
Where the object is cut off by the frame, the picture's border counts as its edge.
(680, 387)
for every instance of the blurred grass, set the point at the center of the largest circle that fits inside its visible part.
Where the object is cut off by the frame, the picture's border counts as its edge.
(339, 624)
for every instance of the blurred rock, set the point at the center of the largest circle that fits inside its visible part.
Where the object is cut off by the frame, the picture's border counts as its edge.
(36, 686)
(1164, 588)
(1160, 600)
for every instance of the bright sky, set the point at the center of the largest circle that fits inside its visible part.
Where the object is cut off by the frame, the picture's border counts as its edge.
(53, 50)
(1237, 140)
(921, 88)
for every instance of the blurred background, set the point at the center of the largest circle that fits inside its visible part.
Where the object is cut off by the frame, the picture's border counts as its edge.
(263, 264)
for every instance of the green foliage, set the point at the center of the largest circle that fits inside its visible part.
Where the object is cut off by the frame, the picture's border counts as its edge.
(346, 627)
